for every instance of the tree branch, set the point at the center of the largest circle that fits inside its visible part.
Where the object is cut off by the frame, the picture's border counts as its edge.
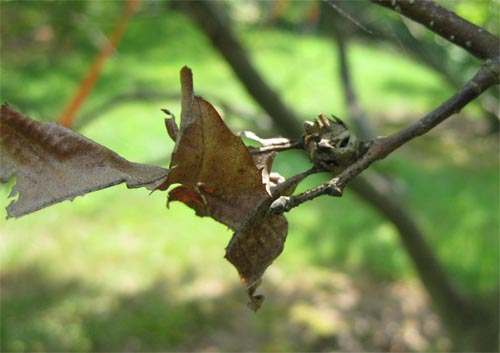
(476, 40)
(383, 146)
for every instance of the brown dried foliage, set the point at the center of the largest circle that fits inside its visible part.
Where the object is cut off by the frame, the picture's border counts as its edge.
(52, 164)
(218, 176)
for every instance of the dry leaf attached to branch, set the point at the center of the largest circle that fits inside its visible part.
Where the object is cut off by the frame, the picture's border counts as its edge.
(219, 178)
(52, 164)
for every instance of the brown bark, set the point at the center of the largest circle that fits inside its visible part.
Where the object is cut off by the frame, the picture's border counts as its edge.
(476, 40)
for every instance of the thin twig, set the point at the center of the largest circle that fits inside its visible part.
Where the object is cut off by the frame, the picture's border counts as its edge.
(291, 183)
(278, 147)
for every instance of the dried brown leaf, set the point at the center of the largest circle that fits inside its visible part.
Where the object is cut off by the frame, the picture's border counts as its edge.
(254, 247)
(217, 172)
(52, 164)
(221, 179)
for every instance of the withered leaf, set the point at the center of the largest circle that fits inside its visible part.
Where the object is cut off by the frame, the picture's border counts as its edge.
(255, 245)
(52, 164)
(217, 172)
(221, 179)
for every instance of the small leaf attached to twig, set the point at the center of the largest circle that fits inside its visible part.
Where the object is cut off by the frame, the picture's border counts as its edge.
(255, 245)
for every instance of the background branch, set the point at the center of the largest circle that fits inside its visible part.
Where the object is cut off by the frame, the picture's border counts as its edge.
(476, 40)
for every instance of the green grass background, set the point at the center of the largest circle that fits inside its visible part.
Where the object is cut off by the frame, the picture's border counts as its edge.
(117, 270)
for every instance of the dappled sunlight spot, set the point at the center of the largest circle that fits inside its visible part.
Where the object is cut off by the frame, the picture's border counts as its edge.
(414, 297)
(411, 334)
(205, 289)
(347, 299)
(315, 320)
(274, 274)
(335, 311)
(385, 233)
(128, 284)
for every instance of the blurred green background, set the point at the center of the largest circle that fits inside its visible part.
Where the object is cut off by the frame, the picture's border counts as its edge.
(116, 271)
